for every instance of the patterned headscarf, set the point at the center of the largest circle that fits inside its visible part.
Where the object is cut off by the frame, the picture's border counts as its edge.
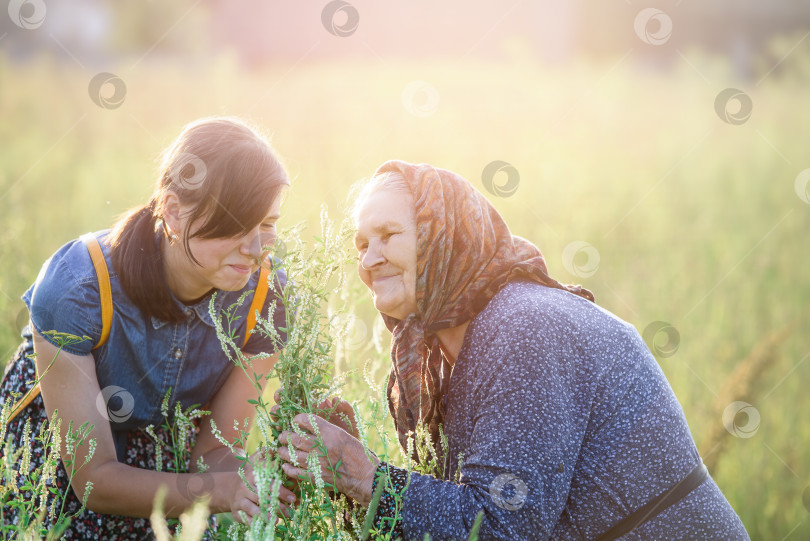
(464, 255)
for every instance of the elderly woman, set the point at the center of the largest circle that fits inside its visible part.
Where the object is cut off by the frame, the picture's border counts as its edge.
(560, 424)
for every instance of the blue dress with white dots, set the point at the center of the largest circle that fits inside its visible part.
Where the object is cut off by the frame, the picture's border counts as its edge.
(560, 424)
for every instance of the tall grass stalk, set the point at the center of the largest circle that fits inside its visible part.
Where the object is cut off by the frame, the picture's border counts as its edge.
(32, 494)
(307, 373)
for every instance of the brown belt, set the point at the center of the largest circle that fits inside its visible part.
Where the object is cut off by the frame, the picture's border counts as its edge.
(655, 506)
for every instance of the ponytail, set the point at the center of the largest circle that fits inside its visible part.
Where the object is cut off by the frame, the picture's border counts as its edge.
(136, 260)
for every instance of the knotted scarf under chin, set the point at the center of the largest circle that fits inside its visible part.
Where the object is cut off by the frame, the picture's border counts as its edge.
(417, 381)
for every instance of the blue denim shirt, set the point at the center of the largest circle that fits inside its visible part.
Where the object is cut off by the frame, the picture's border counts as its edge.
(143, 357)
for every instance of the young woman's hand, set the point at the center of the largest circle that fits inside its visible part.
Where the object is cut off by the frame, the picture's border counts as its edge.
(342, 457)
(245, 499)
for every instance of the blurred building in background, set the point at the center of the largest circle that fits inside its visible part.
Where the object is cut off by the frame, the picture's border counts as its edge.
(285, 31)
(264, 30)
(60, 28)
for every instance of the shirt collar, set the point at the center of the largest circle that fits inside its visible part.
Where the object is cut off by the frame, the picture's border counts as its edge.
(200, 308)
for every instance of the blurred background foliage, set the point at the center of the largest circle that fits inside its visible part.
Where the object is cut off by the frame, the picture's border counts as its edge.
(618, 143)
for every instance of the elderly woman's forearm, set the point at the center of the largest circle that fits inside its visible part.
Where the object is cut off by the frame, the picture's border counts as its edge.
(413, 505)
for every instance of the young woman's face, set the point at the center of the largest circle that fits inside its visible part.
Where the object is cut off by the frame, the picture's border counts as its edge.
(386, 242)
(225, 263)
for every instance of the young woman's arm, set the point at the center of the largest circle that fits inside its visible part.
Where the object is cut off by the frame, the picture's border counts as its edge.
(228, 405)
(71, 387)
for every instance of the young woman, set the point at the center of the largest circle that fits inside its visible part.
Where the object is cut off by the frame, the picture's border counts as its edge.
(559, 421)
(204, 230)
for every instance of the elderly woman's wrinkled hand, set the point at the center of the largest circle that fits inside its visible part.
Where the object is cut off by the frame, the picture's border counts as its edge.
(340, 456)
(342, 413)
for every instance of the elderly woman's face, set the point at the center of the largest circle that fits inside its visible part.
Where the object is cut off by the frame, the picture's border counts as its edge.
(386, 242)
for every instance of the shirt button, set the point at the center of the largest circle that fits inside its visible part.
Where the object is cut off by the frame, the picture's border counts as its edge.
(189, 312)
(178, 353)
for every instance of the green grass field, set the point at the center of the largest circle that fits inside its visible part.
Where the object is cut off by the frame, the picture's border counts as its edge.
(696, 222)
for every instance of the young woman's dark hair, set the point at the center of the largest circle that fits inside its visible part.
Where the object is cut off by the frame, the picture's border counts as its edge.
(226, 173)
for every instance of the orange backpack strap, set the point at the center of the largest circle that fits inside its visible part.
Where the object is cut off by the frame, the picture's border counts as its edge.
(104, 289)
(105, 292)
(258, 301)
(22, 404)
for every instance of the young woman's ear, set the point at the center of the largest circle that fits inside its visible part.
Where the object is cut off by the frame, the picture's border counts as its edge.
(171, 213)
